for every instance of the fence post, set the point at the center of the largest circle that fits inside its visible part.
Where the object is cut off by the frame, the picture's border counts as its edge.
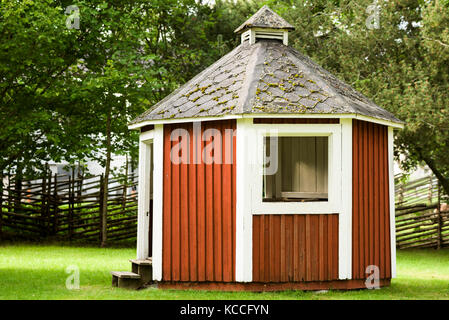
(18, 181)
(48, 207)
(125, 185)
(55, 206)
(101, 208)
(43, 203)
(430, 195)
(440, 222)
(80, 179)
(9, 189)
(401, 193)
(1, 206)
(70, 209)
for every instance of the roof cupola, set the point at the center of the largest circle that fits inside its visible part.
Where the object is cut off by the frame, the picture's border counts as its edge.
(265, 24)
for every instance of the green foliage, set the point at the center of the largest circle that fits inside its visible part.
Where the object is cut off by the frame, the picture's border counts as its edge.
(59, 85)
(402, 66)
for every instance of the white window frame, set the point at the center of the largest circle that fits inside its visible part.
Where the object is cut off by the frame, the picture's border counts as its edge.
(334, 202)
(247, 175)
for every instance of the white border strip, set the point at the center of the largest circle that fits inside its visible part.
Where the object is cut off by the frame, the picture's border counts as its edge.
(147, 135)
(158, 187)
(244, 222)
(269, 115)
(392, 209)
(345, 216)
(181, 120)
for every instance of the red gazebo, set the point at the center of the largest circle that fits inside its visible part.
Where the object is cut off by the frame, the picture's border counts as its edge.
(266, 172)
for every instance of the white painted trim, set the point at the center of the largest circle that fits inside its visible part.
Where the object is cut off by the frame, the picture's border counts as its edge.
(246, 36)
(379, 121)
(244, 222)
(255, 147)
(252, 38)
(158, 187)
(182, 120)
(269, 33)
(269, 115)
(345, 217)
(327, 116)
(392, 209)
(285, 40)
(147, 135)
(143, 220)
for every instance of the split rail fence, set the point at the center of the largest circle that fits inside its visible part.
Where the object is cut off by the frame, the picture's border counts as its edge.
(422, 214)
(63, 207)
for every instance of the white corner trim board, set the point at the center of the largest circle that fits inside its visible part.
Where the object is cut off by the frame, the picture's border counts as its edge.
(244, 222)
(392, 209)
(345, 217)
(158, 187)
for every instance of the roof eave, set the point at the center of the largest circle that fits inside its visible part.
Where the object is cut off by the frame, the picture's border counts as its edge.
(244, 28)
(390, 123)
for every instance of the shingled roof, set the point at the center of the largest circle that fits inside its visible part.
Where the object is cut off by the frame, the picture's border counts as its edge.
(265, 18)
(263, 78)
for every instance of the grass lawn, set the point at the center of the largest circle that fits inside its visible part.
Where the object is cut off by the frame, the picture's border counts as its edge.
(38, 272)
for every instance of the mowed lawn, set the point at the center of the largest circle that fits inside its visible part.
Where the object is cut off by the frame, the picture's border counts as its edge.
(39, 272)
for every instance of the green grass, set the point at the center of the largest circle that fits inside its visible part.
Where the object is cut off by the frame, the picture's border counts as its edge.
(38, 272)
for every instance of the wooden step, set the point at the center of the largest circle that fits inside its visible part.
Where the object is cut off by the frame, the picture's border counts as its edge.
(125, 274)
(145, 262)
(126, 279)
(144, 268)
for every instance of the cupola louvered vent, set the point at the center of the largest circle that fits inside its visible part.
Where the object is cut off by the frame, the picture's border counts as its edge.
(265, 24)
(254, 35)
(270, 34)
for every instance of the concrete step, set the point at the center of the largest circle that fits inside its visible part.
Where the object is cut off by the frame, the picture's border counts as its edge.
(144, 268)
(126, 279)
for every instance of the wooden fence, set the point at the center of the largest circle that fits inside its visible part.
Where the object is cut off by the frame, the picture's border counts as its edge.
(68, 208)
(65, 208)
(420, 220)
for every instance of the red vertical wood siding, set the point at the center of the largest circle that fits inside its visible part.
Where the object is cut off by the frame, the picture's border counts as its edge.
(294, 248)
(370, 200)
(199, 209)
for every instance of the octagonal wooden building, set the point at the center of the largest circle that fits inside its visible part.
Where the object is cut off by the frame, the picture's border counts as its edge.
(266, 172)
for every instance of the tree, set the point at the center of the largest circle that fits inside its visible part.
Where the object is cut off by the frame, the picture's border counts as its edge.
(402, 65)
(58, 83)
(69, 93)
(36, 51)
(147, 49)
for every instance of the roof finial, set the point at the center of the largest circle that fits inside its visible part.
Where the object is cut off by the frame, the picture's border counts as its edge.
(265, 24)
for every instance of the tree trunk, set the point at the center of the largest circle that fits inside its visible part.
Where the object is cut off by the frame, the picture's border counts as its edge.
(106, 181)
(444, 182)
(18, 187)
(125, 185)
(441, 178)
